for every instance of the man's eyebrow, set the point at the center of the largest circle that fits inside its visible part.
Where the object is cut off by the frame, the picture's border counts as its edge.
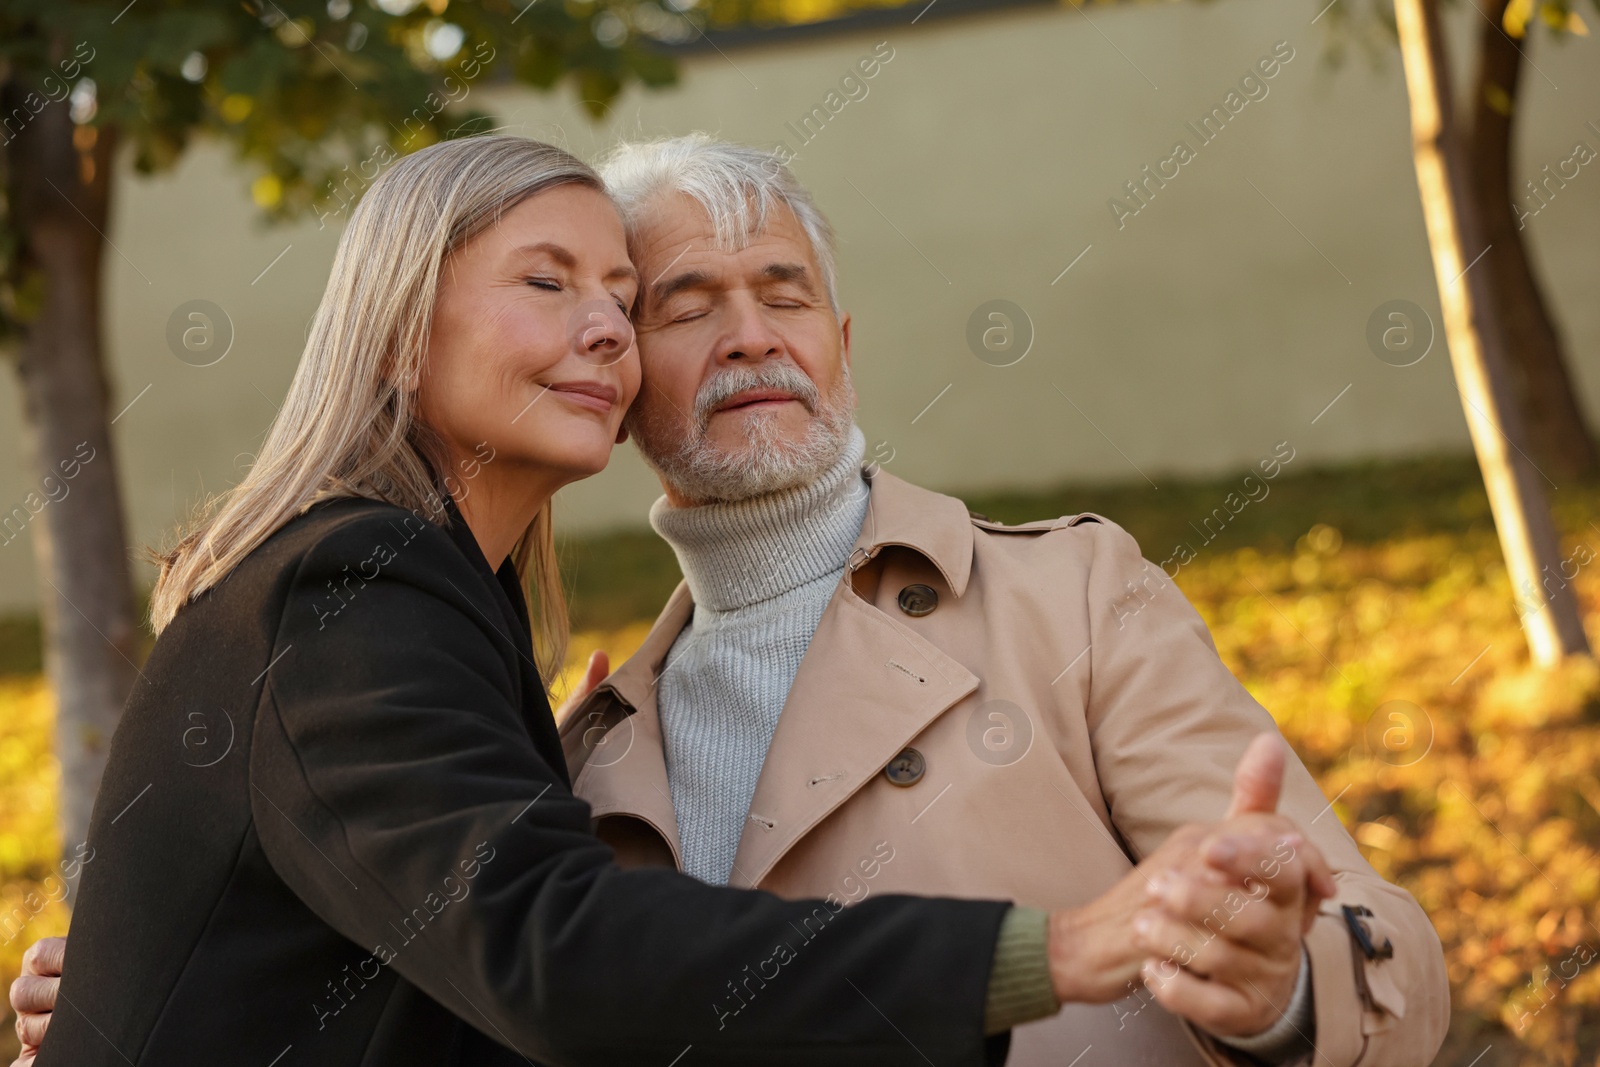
(689, 279)
(693, 279)
(787, 272)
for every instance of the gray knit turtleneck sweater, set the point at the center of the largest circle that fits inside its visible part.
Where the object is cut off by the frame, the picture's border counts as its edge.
(761, 571)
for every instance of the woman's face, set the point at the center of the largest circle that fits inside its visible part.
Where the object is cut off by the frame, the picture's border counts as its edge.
(531, 362)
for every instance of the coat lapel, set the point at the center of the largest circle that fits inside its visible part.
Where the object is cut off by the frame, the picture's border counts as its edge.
(613, 739)
(866, 687)
(503, 588)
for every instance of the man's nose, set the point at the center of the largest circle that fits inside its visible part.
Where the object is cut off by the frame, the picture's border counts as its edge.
(749, 335)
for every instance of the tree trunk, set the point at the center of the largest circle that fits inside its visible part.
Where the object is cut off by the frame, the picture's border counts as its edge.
(1548, 608)
(1539, 373)
(60, 199)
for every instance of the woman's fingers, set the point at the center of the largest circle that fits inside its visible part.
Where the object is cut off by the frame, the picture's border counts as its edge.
(45, 956)
(1203, 951)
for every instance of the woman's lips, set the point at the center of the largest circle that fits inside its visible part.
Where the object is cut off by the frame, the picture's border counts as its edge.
(596, 396)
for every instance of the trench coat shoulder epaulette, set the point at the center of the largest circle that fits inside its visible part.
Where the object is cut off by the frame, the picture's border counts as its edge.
(983, 522)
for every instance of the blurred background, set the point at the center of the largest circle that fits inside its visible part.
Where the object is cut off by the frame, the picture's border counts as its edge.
(1055, 310)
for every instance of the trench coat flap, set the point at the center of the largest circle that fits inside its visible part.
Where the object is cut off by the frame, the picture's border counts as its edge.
(867, 686)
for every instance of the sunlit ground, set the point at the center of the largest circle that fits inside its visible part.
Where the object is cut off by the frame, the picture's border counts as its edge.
(1342, 593)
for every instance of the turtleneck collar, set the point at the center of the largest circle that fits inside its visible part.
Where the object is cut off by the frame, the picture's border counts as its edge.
(741, 553)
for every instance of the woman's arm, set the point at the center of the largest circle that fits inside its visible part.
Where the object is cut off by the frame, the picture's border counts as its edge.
(397, 791)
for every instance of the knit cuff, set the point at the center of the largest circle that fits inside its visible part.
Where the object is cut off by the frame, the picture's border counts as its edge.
(1020, 989)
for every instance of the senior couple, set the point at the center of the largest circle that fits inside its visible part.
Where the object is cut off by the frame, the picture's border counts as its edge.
(860, 696)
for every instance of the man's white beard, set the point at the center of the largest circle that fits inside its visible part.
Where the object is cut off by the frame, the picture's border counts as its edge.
(763, 461)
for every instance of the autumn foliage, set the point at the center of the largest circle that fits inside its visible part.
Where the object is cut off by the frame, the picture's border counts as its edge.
(1394, 664)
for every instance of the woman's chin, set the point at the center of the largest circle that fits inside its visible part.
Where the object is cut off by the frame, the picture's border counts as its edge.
(580, 463)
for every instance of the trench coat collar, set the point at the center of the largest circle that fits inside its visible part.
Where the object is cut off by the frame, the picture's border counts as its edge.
(937, 526)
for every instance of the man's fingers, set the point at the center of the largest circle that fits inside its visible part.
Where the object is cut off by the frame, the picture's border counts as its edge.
(34, 993)
(1319, 875)
(595, 673)
(1259, 777)
(1292, 867)
(599, 667)
(45, 956)
(1275, 854)
(1247, 917)
(30, 1028)
(1212, 1006)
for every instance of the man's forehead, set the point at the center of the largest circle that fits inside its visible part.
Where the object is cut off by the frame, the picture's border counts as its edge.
(676, 227)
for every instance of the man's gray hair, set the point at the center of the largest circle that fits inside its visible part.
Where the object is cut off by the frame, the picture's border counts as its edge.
(736, 184)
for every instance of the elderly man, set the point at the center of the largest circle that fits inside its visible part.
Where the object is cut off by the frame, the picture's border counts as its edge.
(860, 687)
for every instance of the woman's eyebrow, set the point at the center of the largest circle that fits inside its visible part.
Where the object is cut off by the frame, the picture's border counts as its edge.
(566, 259)
(551, 249)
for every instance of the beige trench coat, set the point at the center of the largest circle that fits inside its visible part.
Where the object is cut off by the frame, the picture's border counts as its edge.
(1069, 711)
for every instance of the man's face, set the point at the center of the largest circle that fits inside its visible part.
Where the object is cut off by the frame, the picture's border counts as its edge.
(746, 366)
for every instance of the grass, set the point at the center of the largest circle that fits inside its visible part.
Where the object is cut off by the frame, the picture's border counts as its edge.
(1343, 598)
(620, 577)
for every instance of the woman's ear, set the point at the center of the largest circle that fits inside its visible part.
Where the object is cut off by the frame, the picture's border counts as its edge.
(402, 382)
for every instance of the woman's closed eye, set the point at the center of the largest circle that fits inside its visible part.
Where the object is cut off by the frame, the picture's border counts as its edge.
(550, 285)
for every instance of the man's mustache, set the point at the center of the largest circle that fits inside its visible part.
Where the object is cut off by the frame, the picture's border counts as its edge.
(725, 385)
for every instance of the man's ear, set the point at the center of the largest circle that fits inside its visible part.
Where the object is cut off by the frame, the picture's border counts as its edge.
(844, 338)
(622, 433)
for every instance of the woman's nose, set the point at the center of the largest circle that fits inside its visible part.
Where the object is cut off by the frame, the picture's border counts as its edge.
(600, 332)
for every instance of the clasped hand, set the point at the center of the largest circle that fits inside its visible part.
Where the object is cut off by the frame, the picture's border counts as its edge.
(1212, 921)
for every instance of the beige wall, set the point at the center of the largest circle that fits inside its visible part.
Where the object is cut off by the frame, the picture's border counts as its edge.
(1220, 320)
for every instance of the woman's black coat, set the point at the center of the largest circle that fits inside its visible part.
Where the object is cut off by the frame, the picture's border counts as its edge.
(337, 829)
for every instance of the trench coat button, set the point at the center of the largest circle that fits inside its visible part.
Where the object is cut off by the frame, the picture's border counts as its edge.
(918, 600)
(906, 768)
